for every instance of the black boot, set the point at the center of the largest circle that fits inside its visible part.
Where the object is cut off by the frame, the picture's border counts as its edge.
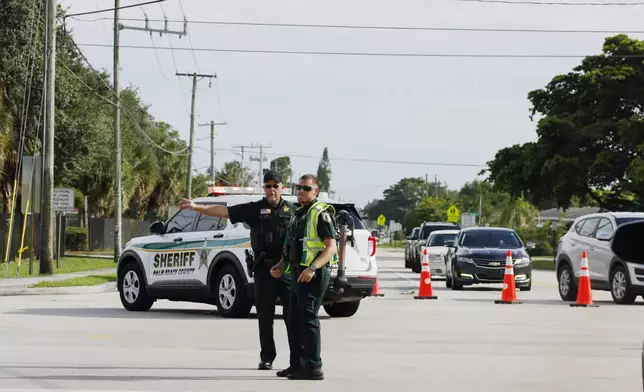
(307, 374)
(287, 372)
(265, 365)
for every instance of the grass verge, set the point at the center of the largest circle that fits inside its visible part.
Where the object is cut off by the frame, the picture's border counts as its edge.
(67, 266)
(542, 264)
(91, 280)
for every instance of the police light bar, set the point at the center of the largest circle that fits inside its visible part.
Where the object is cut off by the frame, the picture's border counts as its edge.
(238, 190)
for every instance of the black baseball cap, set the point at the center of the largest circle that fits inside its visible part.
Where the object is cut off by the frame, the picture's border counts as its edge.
(271, 175)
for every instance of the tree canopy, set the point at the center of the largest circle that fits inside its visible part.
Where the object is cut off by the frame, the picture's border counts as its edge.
(591, 136)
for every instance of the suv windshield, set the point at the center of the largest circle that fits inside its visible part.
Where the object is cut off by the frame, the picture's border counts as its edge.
(427, 230)
(491, 239)
(439, 239)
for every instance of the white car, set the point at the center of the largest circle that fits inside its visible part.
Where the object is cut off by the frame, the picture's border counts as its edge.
(436, 250)
(198, 258)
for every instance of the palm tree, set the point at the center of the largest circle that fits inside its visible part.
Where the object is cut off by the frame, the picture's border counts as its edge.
(516, 213)
(7, 152)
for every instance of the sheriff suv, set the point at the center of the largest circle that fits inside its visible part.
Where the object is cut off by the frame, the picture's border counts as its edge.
(198, 258)
(593, 233)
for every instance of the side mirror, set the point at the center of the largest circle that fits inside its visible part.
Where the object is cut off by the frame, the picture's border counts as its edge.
(604, 236)
(156, 228)
(530, 245)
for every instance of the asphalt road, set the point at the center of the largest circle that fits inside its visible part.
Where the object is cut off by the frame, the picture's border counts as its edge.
(462, 341)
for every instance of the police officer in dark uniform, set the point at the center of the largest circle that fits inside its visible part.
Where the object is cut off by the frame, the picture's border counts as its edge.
(268, 219)
(310, 247)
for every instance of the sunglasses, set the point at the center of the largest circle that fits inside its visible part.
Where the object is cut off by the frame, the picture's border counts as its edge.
(307, 188)
(269, 186)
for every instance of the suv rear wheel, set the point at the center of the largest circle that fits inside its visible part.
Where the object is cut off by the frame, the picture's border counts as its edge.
(567, 284)
(620, 286)
(342, 309)
(231, 296)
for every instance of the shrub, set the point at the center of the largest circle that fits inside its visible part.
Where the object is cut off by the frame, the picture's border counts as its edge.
(76, 238)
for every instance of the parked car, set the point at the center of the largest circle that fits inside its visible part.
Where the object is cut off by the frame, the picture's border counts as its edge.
(625, 245)
(423, 234)
(411, 239)
(592, 233)
(478, 256)
(437, 250)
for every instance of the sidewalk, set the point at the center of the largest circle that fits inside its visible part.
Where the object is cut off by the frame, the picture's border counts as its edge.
(20, 286)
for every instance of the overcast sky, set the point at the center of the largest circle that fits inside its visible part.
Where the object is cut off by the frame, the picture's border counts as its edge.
(422, 109)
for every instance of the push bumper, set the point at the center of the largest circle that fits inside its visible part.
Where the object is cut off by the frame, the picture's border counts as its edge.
(351, 289)
(468, 273)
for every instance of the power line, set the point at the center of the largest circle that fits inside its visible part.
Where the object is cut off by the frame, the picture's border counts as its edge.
(365, 54)
(114, 9)
(371, 27)
(366, 160)
(552, 3)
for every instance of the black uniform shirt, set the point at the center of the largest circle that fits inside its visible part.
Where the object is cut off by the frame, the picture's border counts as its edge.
(267, 224)
(296, 230)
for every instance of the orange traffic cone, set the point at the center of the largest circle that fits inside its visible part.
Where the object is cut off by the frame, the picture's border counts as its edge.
(584, 296)
(509, 293)
(376, 289)
(425, 289)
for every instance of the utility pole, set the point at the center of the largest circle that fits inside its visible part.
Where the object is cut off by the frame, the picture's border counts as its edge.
(261, 159)
(212, 148)
(117, 137)
(47, 240)
(243, 147)
(117, 118)
(195, 77)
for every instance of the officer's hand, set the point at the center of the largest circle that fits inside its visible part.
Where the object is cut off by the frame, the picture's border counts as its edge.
(185, 203)
(276, 271)
(306, 275)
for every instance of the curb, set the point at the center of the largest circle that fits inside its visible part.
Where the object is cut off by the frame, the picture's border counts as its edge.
(19, 291)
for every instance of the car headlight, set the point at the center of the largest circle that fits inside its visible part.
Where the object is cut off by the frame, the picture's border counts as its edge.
(522, 262)
(465, 260)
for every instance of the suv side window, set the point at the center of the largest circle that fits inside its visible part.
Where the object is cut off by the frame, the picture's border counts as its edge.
(210, 223)
(579, 225)
(589, 227)
(604, 227)
(182, 222)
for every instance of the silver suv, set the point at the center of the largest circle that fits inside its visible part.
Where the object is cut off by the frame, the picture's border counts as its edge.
(593, 233)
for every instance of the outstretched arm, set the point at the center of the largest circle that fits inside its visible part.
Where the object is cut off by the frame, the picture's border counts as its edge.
(212, 210)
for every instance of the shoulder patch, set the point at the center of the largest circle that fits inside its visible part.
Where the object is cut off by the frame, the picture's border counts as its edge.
(326, 216)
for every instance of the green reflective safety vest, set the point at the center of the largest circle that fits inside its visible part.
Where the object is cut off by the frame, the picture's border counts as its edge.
(312, 243)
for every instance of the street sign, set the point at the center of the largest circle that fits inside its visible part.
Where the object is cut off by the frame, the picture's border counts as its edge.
(453, 214)
(381, 220)
(64, 199)
(468, 220)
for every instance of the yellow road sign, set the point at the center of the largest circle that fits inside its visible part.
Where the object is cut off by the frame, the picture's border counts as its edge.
(453, 214)
(381, 220)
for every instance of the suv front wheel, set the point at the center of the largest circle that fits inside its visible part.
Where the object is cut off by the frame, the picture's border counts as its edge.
(567, 284)
(131, 285)
(620, 286)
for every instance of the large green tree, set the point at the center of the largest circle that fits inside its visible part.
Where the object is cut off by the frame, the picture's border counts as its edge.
(233, 175)
(282, 165)
(591, 136)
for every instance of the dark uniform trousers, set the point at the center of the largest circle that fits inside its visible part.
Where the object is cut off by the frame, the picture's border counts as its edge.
(267, 289)
(305, 302)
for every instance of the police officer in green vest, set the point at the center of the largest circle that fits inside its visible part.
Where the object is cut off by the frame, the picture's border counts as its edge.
(310, 247)
(268, 219)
